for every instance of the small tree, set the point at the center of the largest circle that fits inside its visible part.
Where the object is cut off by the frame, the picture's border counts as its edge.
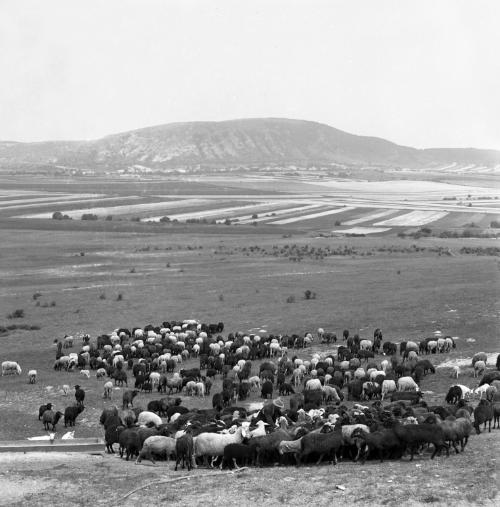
(57, 215)
(307, 294)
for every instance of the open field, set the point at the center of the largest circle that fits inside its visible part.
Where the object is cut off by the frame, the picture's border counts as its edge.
(242, 276)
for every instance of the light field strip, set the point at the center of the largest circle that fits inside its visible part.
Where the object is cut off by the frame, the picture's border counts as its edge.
(249, 219)
(311, 216)
(414, 218)
(370, 217)
(122, 209)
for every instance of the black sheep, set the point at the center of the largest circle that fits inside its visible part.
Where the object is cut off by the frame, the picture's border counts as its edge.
(384, 442)
(322, 443)
(71, 413)
(234, 452)
(50, 418)
(267, 389)
(79, 395)
(43, 408)
(454, 395)
(184, 449)
(128, 398)
(129, 442)
(415, 435)
(483, 413)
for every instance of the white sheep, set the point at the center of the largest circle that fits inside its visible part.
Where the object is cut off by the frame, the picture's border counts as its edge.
(330, 393)
(157, 445)
(480, 392)
(254, 383)
(467, 393)
(407, 384)
(212, 444)
(313, 384)
(154, 378)
(32, 377)
(108, 389)
(200, 388)
(388, 386)
(432, 346)
(359, 373)
(65, 389)
(365, 345)
(100, 373)
(11, 368)
(455, 371)
(375, 374)
(147, 418)
(479, 367)
(85, 373)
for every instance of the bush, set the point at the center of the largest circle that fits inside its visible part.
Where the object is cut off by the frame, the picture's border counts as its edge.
(221, 297)
(57, 215)
(307, 294)
(16, 314)
(164, 219)
(254, 216)
(290, 299)
(53, 303)
(102, 296)
(132, 270)
(495, 224)
(338, 223)
(109, 217)
(119, 297)
(36, 295)
(227, 221)
(89, 216)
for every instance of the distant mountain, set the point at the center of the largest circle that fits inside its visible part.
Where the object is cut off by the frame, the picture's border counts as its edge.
(241, 142)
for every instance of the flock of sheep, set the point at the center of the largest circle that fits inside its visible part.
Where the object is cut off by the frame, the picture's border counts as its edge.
(387, 418)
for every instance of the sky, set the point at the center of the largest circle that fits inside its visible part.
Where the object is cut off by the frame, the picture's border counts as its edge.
(423, 73)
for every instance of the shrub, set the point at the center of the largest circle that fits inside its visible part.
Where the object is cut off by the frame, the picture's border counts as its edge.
(109, 217)
(16, 314)
(307, 294)
(36, 295)
(102, 296)
(495, 224)
(227, 221)
(132, 270)
(290, 299)
(119, 297)
(57, 215)
(338, 223)
(254, 216)
(89, 216)
(221, 297)
(164, 219)
(53, 303)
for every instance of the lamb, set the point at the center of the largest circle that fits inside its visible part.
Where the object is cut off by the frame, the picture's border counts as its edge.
(483, 413)
(85, 373)
(147, 418)
(157, 445)
(108, 389)
(100, 373)
(32, 377)
(51, 418)
(455, 371)
(184, 449)
(65, 389)
(71, 413)
(212, 444)
(322, 443)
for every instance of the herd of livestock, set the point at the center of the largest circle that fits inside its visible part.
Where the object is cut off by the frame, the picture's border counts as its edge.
(362, 400)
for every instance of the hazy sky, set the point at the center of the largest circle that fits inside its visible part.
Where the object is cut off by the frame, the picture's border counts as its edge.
(420, 73)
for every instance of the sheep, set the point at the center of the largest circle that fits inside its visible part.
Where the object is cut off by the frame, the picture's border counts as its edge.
(157, 445)
(383, 442)
(212, 444)
(79, 395)
(496, 415)
(313, 384)
(128, 398)
(146, 418)
(100, 373)
(479, 356)
(480, 392)
(330, 394)
(412, 396)
(483, 413)
(479, 367)
(85, 373)
(11, 368)
(184, 449)
(457, 430)
(455, 371)
(51, 418)
(32, 377)
(388, 386)
(269, 443)
(290, 447)
(108, 389)
(407, 384)
(415, 435)
(467, 393)
(235, 451)
(71, 413)
(43, 408)
(322, 443)
(129, 441)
